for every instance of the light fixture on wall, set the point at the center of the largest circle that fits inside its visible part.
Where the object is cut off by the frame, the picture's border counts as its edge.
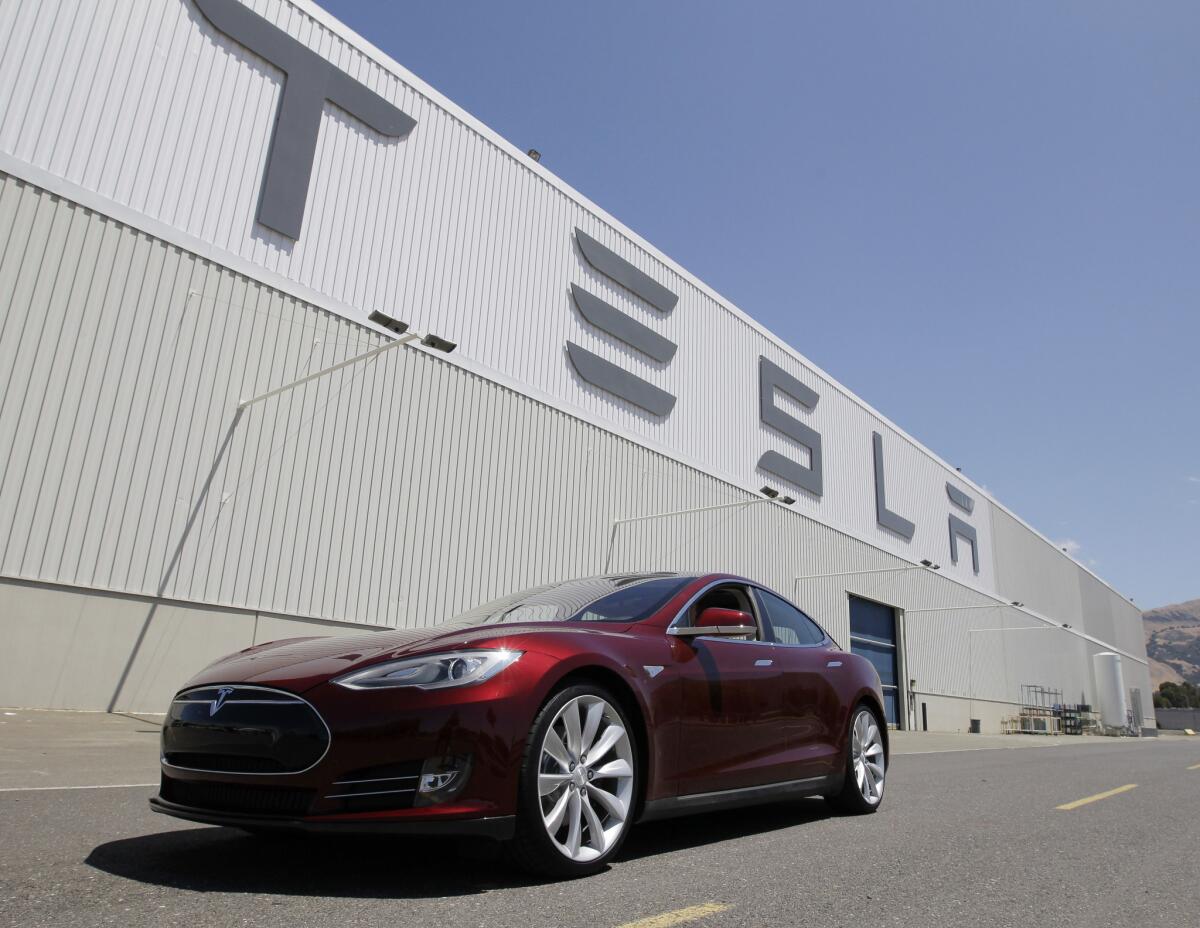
(932, 566)
(388, 322)
(438, 343)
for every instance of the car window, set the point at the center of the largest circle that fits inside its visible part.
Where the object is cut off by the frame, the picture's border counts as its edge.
(632, 603)
(628, 598)
(725, 597)
(786, 624)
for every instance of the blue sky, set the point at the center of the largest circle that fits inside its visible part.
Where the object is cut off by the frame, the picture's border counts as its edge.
(983, 219)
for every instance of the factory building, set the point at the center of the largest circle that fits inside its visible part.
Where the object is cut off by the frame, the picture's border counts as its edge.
(205, 203)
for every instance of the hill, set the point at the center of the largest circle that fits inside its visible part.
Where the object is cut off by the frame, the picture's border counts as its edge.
(1173, 642)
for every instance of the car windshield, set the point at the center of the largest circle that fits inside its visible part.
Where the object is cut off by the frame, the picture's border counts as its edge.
(596, 599)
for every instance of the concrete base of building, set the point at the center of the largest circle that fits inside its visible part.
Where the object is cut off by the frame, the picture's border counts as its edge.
(919, 742)
(943, 713)
(67, 648)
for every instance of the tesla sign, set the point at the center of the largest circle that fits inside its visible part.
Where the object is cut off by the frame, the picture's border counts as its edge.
(772, 378)
(308, 81)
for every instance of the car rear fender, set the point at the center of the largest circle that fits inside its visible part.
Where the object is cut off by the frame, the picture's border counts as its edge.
(869, 697)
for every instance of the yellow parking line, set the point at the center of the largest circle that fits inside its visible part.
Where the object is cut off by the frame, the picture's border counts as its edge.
(679, 916)
(1067, 807)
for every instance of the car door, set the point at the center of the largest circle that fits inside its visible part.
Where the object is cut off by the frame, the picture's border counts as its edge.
(732, 732)
(809, 700)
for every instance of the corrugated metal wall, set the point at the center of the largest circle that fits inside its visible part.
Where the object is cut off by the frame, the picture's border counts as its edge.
(145, 105)
(397, 484)
(397, 492)
(1032, 572)
(400, 491)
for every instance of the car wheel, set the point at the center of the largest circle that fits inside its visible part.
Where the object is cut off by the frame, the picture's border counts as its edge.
(578, 786)
(866, 765)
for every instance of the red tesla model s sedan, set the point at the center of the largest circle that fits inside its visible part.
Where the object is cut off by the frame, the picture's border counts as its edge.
(552, 719)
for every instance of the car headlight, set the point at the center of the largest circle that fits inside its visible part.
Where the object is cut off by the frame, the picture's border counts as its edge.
(431, 671)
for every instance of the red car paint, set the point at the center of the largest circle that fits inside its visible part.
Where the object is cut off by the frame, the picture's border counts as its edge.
(714, 718)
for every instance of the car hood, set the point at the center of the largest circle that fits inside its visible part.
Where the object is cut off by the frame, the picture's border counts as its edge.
(298, 664)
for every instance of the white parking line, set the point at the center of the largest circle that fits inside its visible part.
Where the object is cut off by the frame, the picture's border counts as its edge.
(38, 789)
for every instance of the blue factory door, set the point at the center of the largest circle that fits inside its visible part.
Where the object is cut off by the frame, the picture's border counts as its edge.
(873, 635)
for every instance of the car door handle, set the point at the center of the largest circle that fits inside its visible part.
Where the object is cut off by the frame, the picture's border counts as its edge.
(762, 662)
(833, 664)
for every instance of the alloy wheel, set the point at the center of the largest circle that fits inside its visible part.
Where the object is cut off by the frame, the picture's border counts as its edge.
(866, 753)
(585, 778)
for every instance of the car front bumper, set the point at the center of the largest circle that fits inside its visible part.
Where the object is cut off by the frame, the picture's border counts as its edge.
(367, 774)
(499, 827)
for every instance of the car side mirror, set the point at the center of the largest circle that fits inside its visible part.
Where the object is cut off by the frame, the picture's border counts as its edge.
(722, 623)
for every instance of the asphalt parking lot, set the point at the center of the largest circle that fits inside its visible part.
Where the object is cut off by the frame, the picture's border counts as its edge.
(965, 838)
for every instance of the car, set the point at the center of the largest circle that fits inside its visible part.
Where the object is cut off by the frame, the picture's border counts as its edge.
(552, 719)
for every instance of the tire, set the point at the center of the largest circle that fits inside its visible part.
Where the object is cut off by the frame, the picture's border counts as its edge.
(574, 811)
(866, 765)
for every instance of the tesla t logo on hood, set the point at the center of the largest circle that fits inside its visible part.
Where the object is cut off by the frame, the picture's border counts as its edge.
(222, 694)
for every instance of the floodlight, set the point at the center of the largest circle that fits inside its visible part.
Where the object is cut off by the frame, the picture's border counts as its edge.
(388, 322)
(439, 344)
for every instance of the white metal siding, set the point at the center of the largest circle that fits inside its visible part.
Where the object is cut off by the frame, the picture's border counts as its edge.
(1032, 571)
(404, 490)
(1096, 609)
(145, 105)
(397, 492)
(388, 487)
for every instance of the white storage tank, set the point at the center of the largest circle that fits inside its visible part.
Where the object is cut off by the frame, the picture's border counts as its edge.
(1110, 689)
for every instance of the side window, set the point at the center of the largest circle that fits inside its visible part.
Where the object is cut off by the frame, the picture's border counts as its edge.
(725, 597)
(786, 624)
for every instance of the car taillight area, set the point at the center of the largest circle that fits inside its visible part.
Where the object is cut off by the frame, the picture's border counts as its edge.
(243, 729)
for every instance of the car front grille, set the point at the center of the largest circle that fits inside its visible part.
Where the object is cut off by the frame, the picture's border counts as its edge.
(243, 729)
(249, 799)
(221, 763)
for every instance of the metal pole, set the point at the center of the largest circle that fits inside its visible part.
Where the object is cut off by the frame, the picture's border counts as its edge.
(955, 608)
(678, 512)
(971, 648)
(1019, 628)
(612, 537)
(373, 353)
(971, 684)
(855, 573)
(971, 675)
(859, 573)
